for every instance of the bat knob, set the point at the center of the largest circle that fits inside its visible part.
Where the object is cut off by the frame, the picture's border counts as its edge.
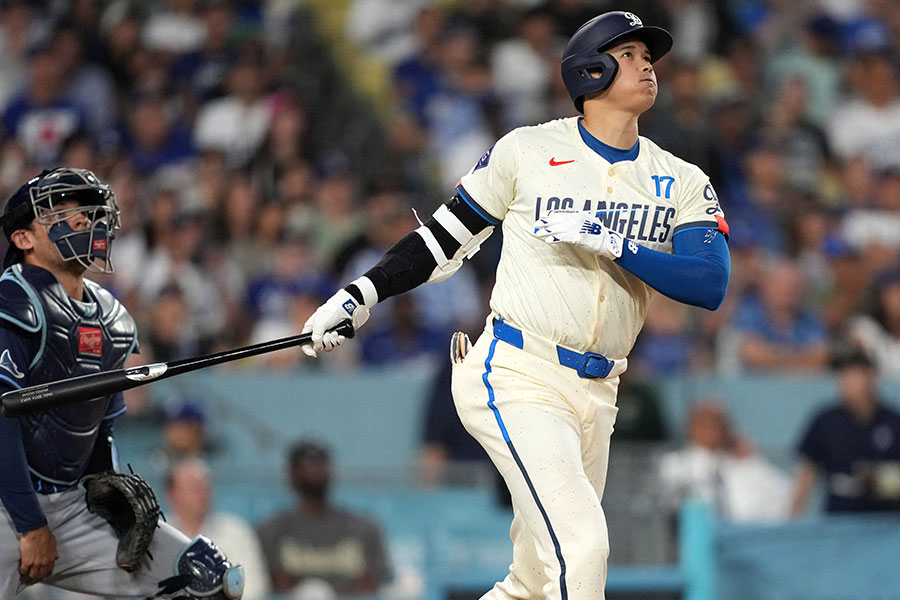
(345, 328)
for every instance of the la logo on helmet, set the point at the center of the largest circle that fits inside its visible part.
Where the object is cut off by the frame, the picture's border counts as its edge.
(635, 21)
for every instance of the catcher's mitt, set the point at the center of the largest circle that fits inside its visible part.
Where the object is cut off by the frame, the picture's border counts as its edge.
(128, 503)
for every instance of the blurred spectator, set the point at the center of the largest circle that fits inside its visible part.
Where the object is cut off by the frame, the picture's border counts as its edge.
(335, 218)
(176, 28)
(201, 74)
(292, 271)
(184, 430)
(668, 345)
(873, 229)
(189, 496)
(449, 454)
(774, 329)
(383, 29)
(693, 23)
(156, 137)
(317, 544)
(853, 445)
(811, 60)
(868, 123)
(41, 117)
(720, 467)
(758, 203)
(17, 37)
(877, 333)
(285, 150)
(167, 338)
(459, 115)
(281, 298)
(88, 85)
(417, 79)
(173, 263)
(522, 67)
(680, 122)
(236, 124)
(404, 338)
(803, 144)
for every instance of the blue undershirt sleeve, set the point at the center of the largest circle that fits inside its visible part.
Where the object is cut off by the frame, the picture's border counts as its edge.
(697, 273)
(16, 490)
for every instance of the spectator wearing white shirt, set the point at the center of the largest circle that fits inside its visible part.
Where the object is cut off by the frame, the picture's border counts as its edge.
(238, 123)
(721, 468)
(190, 499)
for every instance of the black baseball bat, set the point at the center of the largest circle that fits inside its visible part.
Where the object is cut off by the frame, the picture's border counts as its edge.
(49, 395)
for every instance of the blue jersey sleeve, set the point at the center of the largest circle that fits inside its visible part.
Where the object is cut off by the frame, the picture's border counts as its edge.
(16, 490)
(697, 273)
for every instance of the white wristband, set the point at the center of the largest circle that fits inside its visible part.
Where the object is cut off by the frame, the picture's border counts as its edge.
(367, 289)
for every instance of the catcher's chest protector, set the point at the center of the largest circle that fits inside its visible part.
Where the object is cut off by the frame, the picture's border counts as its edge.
(78, 339)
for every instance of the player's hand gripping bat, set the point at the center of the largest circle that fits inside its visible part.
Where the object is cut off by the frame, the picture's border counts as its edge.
(75, 389)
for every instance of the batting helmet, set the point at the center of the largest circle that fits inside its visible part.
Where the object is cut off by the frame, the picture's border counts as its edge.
(40, 198)
(585, 52)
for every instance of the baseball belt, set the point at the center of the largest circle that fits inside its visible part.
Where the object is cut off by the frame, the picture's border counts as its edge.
(588, 365)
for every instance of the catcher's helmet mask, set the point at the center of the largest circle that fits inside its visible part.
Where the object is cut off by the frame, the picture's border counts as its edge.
(39, 200)
(587, 67)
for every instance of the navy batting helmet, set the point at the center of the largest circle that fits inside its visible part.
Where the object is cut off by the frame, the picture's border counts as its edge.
(585, 52)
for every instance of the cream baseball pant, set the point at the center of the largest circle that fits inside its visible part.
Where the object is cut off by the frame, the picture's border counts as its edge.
(547, 430)
(86, 545)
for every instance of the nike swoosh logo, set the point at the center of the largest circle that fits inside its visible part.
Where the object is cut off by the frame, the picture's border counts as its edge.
(556, 163)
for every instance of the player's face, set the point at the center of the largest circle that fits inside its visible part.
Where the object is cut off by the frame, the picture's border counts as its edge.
(634, 89)
(43, 251)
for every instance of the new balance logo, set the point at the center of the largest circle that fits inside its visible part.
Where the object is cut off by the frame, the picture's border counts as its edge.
(592, 228)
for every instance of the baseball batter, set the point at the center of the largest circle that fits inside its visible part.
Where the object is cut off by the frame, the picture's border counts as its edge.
(594, 219)
(56, 324)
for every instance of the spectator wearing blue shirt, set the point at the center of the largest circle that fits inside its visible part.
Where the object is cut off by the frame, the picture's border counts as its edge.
(854, 445)
(41, 117)
(775, 329)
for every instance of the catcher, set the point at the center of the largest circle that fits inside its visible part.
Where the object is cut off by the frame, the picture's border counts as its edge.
(68, 519)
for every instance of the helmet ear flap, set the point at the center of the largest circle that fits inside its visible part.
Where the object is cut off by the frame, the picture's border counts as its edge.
(584, 76)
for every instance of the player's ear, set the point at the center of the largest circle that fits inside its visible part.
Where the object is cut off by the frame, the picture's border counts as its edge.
(23, 239)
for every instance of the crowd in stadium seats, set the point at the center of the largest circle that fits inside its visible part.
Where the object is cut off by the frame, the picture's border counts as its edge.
(237, 220)
(243, 158)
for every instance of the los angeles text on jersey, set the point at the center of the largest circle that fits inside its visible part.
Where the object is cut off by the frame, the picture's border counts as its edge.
(635, 221)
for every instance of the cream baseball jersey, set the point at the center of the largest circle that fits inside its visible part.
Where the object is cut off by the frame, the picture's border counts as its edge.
(562, 292)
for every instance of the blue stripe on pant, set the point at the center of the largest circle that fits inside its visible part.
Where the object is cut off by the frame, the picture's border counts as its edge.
(515, 455)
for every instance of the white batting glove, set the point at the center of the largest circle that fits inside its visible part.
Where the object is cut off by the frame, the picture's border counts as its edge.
(582, 229)
(337, 308)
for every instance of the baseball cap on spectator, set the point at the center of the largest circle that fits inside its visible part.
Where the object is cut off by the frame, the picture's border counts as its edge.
(867, 37)
(186, 410)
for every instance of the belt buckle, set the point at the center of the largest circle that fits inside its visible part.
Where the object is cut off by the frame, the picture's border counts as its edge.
(600, 371)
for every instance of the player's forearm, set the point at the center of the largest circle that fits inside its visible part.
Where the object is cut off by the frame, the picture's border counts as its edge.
(421, 255)
(804, 480)
(696, 274)
(16, 491)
